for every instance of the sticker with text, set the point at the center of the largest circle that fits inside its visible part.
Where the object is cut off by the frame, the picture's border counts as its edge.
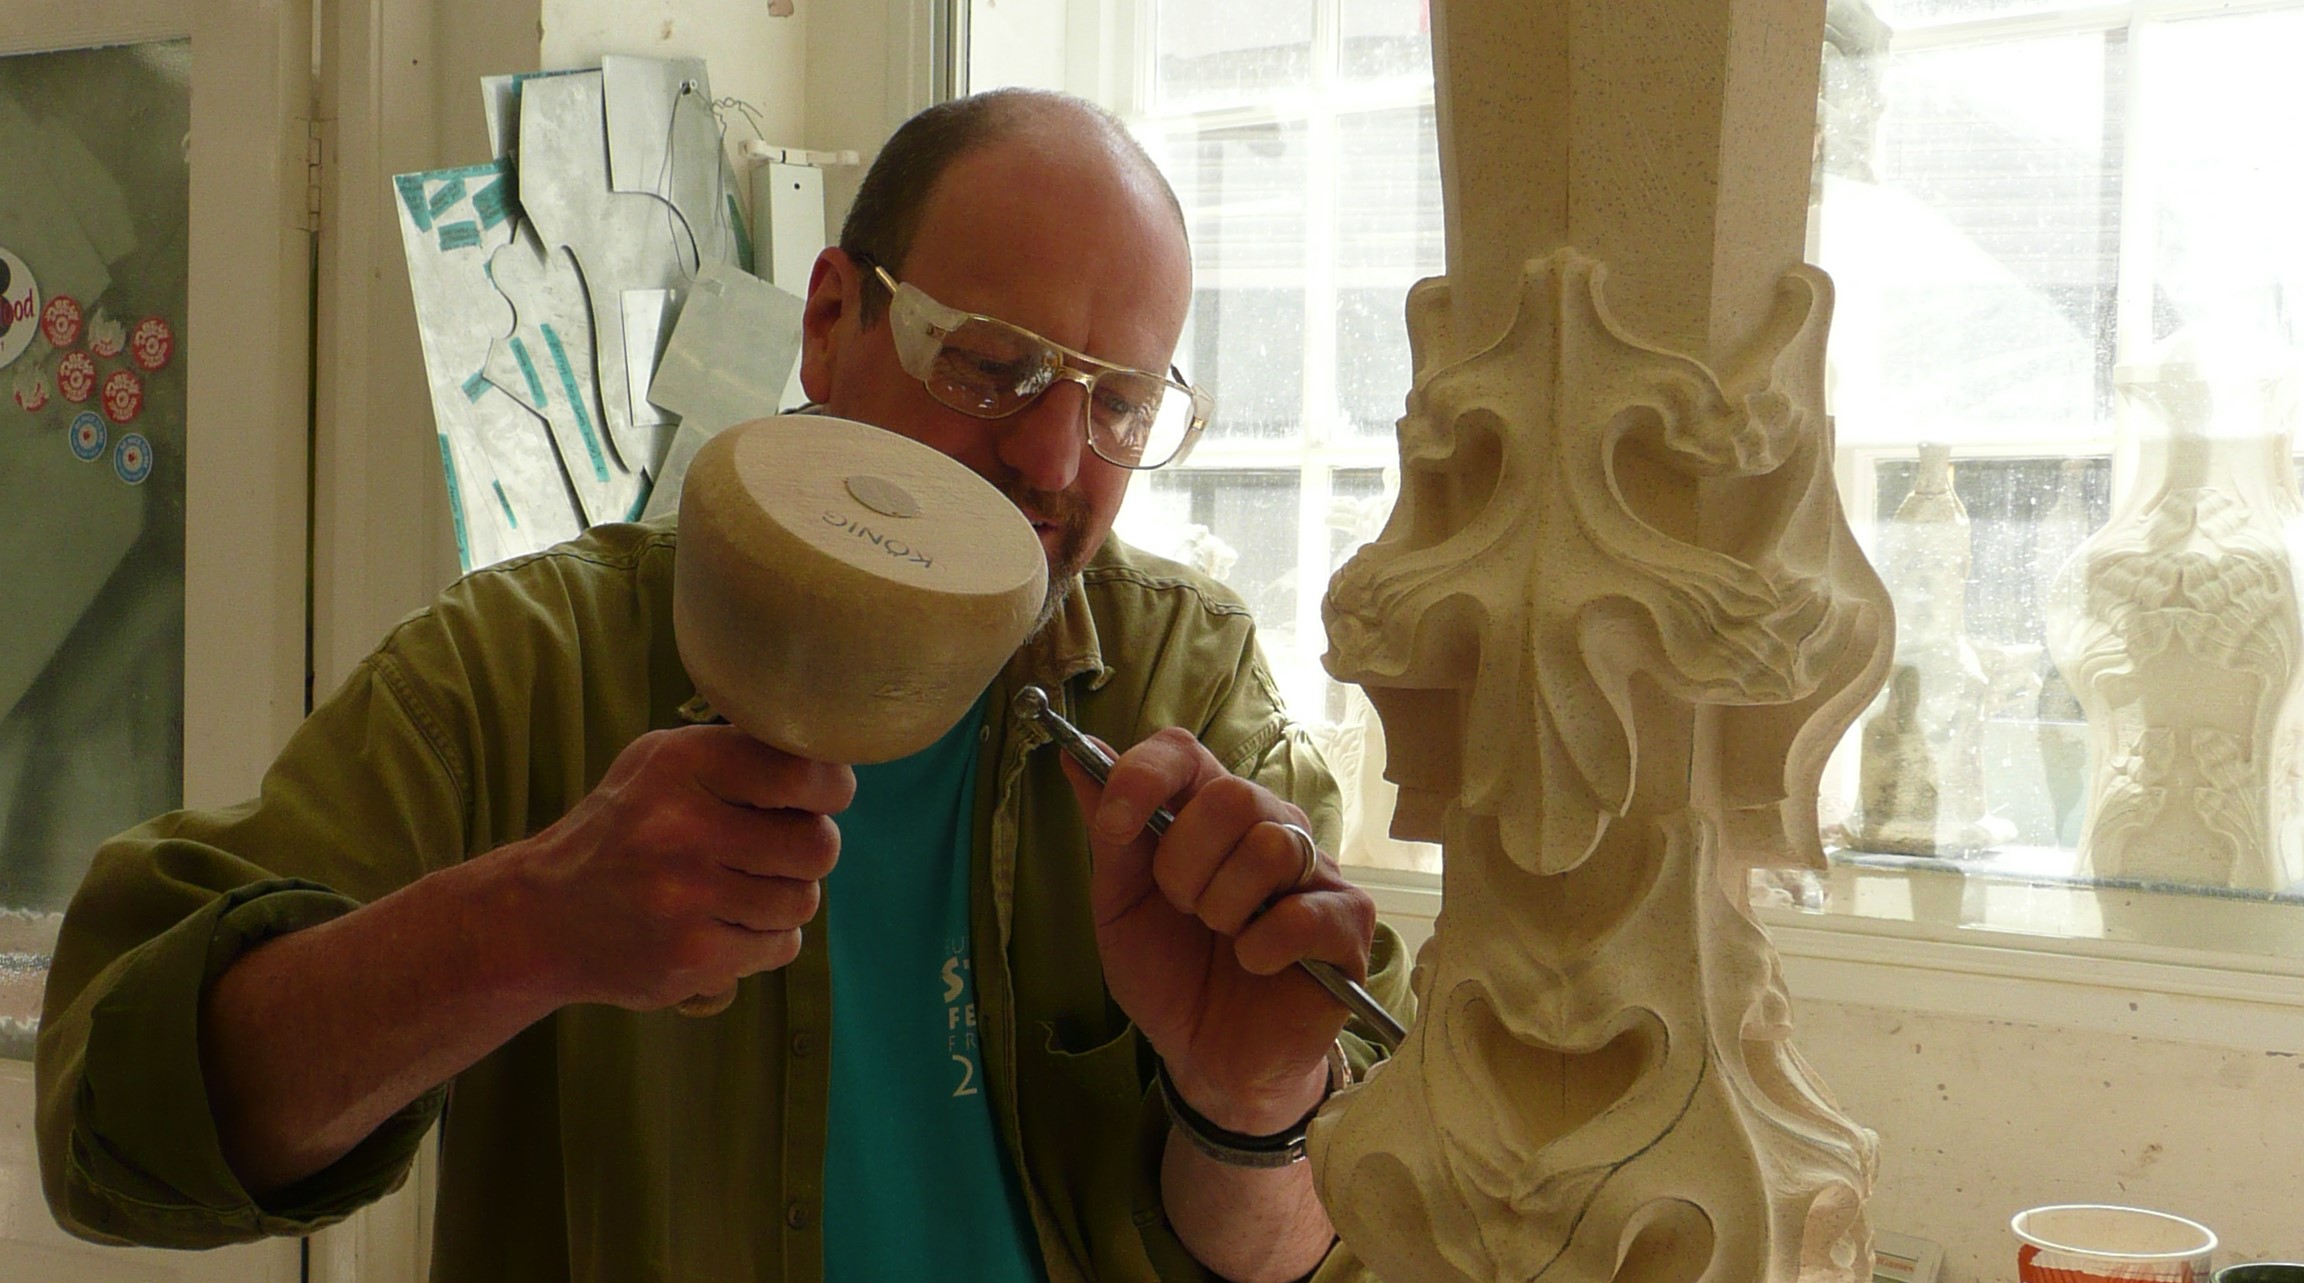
(88, 436)
(76, 376)
(60, 321)
(152, 343)
(123, 396)
(132, 459)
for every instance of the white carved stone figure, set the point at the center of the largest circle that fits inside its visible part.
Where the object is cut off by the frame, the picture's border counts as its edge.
(2062, 726)
(2177, 627)
(1609, 712)
(1923, 755)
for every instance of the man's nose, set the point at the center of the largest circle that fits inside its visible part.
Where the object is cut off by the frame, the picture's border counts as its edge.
(1042, 442)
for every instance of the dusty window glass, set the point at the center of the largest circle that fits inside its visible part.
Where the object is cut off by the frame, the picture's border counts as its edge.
(1385, 38)
(1970, 218)
(2223, 124)
(2063, 374)
(1242, 188)
(1388, 236)
(1919, 13)
(92, 265)
(1220, 50)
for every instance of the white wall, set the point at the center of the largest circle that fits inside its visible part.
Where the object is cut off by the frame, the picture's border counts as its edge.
(1980, 1119)
(752, 54)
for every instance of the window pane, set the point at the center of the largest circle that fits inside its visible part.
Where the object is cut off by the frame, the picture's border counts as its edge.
(1921, 13)
(1221, 50)
(1388, 236)
(1973, 236)
(1373, 372)
(1238, 526)
(2222, 123)
(1247, 346)
(2026, 517)
(1243, 195)
(91, 474)
(1384, 38)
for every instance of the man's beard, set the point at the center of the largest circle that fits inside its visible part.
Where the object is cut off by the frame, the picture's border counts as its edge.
(1069, 513)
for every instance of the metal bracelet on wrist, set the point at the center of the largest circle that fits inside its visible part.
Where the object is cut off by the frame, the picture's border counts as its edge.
(1235, 1149)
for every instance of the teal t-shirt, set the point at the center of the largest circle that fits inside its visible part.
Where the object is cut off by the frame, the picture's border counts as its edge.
(916, 1185)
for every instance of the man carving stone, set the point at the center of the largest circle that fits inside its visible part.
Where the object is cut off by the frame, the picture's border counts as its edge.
(483, 869)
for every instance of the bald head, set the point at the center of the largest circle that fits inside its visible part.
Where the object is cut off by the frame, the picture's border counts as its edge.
(1058, 130)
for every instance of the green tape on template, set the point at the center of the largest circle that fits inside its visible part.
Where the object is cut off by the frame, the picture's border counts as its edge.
(455, 504)
(412, 195)
(447, 197)
(528, 367)
(576, 402)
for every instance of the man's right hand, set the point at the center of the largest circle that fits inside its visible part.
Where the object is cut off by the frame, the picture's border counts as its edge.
(694, 863)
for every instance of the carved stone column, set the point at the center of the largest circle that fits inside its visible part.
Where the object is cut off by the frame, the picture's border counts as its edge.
(1614, 626)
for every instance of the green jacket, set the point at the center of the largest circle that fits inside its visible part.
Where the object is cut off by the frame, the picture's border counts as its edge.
(602, 1144)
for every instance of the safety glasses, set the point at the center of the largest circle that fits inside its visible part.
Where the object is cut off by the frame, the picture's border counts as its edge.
(983, 366)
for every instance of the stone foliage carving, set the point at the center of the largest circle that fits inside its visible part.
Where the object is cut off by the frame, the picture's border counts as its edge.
(2177, 627)
(1614, 626)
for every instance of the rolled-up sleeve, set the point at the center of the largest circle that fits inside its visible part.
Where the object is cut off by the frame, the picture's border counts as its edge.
(361, 802)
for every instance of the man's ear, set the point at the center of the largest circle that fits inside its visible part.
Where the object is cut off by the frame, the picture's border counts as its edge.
(827, 320)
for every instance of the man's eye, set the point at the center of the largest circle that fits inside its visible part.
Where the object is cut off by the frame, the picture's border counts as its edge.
(1117, 408)
(1005, 373)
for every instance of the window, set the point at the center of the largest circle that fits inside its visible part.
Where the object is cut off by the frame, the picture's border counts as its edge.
(2037, 214)
(1299, 136)
(2024, 204)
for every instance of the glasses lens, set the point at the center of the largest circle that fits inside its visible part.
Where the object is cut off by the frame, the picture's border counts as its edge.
(1136, 420)
(989, 369)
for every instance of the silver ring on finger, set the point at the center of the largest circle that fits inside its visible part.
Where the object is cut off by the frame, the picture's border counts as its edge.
(1311, 849)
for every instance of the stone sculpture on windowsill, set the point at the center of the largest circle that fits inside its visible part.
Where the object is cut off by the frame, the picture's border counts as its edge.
(1922, 774)
(2177, 627)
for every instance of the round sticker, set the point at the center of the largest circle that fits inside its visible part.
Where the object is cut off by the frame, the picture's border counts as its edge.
(76, 376)
(123, 395)
(60, 321)
(105, 335)
(87, 436)
(32, 393)
(132, 459)
(152, 343)
(19, 309)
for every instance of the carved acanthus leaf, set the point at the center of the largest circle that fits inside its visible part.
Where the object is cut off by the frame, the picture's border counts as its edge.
(1547, 592)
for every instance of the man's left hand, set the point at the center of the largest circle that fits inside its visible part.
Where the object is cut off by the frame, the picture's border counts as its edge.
(1200, 930)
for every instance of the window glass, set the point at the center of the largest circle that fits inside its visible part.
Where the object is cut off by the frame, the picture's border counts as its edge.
(1971, 225)
(1239, 526)
(1918, 13)
(2050, 252)
(92, 266)
(1385, 38)
(1388, 236)
(1212, 51)
(1242, 188)
(2225, 121)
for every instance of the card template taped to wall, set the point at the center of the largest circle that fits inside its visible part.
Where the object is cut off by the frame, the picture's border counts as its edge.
(620, 240)
(734, 347)
(505, 484)
(546, 362)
